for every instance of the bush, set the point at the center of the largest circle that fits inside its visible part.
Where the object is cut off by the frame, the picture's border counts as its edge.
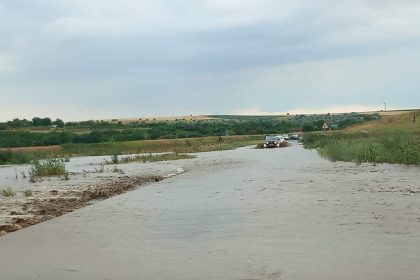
(27, 193)
(49, 167)
(8, 192)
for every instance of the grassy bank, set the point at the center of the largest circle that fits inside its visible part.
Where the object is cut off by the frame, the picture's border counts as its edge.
(22, 156)
(394, 139)
(154, 158)
(189, 145)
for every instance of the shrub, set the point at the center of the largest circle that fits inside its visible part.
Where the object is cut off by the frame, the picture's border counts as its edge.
(115, 159)
(27, 193)
(8, 192)
(49, 167)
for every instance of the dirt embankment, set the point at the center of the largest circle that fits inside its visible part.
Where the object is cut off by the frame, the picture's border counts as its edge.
(61, 202)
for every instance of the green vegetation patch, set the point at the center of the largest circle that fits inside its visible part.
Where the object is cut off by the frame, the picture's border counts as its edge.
(390, 147)
(393, 139)
(9, 157)
(154, 158)
(7, 192)
(188, 145)
(49, 167)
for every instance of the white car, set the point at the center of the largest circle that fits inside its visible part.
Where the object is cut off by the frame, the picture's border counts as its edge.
(293, 136)
(282, 138)
(285, 136)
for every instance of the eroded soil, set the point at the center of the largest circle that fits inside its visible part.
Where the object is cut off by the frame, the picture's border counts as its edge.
(57, 203)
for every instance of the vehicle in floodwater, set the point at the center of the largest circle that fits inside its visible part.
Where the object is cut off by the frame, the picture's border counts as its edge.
(293, 136)
(273, 141)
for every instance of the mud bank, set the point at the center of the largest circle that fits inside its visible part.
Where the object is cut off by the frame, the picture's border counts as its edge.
(38, 210)
(31, 203)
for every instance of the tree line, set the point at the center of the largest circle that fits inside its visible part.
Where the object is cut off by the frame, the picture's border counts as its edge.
(35, 122)
(158, 130)
(102, 131)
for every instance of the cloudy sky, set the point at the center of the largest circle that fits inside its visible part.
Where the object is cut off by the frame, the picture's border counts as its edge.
(93, 59)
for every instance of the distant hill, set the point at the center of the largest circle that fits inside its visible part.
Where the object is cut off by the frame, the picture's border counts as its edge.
(398, 119)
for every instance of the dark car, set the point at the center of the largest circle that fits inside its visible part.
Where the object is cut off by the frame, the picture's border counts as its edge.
(272, 141)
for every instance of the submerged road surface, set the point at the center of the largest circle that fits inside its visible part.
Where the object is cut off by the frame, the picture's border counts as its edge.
(243, 214)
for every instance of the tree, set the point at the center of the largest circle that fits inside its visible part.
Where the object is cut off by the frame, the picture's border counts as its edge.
(318, 124)
(41, 122)
(307, 127)
(58, 123)
(36, 121)
(46, 122)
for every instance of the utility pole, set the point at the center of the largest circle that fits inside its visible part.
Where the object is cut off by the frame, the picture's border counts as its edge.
(384, 106)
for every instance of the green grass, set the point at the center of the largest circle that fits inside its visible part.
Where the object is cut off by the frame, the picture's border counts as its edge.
(49, 167)
(7, 192)
(392, 139)
(9, 157)
(154, 158)
(187, 145)
(393, 143)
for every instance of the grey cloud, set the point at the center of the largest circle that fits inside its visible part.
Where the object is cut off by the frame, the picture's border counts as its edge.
(209, 56)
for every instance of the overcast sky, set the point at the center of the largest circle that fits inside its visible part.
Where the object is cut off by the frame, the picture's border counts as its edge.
(94, 59)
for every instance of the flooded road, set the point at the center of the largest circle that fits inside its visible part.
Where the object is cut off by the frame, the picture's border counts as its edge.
(17, 176)
(243, 214)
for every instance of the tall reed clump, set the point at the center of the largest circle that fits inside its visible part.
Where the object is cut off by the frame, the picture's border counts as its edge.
(115, 159)
(49, 167)
(7, 192)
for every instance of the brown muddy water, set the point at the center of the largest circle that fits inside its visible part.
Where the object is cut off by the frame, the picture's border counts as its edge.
(90, 178)
(243, 214)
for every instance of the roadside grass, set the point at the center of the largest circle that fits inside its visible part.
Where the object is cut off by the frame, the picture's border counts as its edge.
(393, 140)
(12, 157)
(7, 192)
(154, 158)
(186, 145)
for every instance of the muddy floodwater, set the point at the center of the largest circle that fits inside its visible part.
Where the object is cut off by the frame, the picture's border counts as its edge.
(242, 214)
(89, 178)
